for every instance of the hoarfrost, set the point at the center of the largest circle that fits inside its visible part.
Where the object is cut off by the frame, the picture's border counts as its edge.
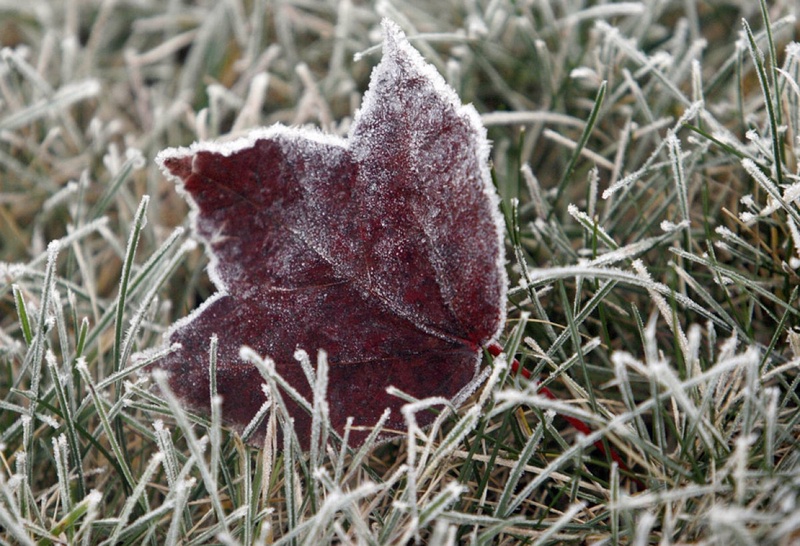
(384, 249)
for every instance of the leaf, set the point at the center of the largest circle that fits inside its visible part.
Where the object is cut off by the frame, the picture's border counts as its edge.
(383, 249)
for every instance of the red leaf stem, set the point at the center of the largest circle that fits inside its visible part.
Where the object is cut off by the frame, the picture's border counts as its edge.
(495, 349)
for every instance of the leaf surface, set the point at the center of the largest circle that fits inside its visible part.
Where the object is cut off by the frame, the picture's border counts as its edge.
(384, 249)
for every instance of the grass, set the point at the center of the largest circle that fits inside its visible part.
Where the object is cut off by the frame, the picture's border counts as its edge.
(646, 156)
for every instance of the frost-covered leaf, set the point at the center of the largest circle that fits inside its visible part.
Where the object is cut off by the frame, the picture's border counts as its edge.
(383, 249)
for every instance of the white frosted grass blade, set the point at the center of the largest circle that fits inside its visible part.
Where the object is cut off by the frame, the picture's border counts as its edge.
(724, 365)
(591, 226)
(87, 508)
(443, 533)
(236, 16)
(99, 405)
(191, 68)
(664, 308)
(684, 70)
(25, 500)
(144, 359)
(594, 182)
(216, 406)
(155, 278)
(139, 222)
(163, 51)
(654, 499)
(36, 353)
(180, 492)
(654, 161)
(336, 501)
(634, 250)
(320, 416)
(167, 449)
(134, 497)
(772, 190)
(491, 119)
(732, 242)
(551, 233)
(632, 87)
(155, 266)
(250, 113)
(410, 498)
(751, 394)
(17, 59)
(535, 191)
(65, 196)
(499, 366)
(11, 518)
(58, 386)
(276, 385)
(734, 276)
(766, 81)
(596, 158)
(509, 399)
(121, 164)
(787, 526)
(614, 38)
(655, 126)
(312, 105)
(678, 175)
(341, 456)
(248, 500)
(664, 374)
(368, 444)
(452, 441)
(730, 524)
(443, 500)
(274, 380)
(398, 506)
(291, 481)
(214, 536)
(342, 30)
(59, 102)
(723, 134)
(518, 470)
(73, 236)
(565, 519)
(644, 526)
(61, 457)
(697, 81)
(613, 495)
(302, 357)
(791, 54)
(771, 395)
(417, 459)
(605, 11)
(195, 448)
(220, 101)
(215, 437)
(255, 422)
(57, 310)
(560, 370)
(650, 166)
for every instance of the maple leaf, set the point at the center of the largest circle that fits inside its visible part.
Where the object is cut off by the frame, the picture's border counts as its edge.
(383, 249)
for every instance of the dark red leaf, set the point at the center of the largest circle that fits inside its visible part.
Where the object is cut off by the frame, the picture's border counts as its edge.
(384, 249)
